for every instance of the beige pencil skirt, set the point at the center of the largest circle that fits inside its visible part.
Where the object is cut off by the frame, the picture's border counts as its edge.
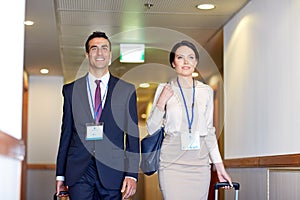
(179, 182)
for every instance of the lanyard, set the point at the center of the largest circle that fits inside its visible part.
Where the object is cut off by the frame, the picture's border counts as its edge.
(190, 121)
(96, 110)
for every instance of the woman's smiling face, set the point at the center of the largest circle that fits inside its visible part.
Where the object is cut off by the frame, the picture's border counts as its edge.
(185, 61)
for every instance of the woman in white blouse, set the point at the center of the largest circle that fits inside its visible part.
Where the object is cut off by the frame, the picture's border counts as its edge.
(190, 141)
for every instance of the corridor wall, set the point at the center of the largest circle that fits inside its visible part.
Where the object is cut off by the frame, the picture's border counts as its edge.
(261, 80)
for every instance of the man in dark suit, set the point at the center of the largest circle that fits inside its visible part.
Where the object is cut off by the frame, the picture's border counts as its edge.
(98, 156)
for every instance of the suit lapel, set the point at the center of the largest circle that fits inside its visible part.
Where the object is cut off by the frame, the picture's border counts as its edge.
(81, 96)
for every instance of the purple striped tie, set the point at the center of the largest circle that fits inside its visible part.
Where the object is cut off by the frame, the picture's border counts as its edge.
(98, 106)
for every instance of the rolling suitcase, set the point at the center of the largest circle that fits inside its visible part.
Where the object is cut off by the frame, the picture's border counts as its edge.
(236, 187)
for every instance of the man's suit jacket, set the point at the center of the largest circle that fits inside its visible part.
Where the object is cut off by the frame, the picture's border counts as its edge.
(117, 155)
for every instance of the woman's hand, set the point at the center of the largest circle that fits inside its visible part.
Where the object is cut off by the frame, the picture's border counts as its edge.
(165, 95)
(223, 175)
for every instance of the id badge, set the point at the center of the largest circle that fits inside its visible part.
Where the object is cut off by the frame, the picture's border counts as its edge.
(190, 141)
(94, 131)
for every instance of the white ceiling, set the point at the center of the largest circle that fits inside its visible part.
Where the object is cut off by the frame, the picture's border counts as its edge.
(56, 40)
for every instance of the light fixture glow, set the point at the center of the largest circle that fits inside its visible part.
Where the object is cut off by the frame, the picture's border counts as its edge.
(144, 85)
(143, 116)
(195, 74)
(206, 6)
(44, 71)
(28, 23)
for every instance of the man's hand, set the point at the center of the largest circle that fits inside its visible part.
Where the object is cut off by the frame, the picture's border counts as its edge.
(128, 188)
(60, 187)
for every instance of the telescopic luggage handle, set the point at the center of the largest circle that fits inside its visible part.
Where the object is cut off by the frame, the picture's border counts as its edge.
(236, 187)
(223, 184)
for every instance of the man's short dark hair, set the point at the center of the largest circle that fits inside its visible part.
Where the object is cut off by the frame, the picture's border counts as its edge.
(96, 34)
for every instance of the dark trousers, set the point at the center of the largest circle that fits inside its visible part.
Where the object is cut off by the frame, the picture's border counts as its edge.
(89, 187)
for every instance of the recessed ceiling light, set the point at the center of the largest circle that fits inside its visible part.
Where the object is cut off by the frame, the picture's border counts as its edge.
(144, 85)
(143, 116)
(28, 23)
(206, 6)
(44, 71)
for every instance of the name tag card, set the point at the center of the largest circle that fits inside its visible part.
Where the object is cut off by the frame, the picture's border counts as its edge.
(190, 141)
(94, 131)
